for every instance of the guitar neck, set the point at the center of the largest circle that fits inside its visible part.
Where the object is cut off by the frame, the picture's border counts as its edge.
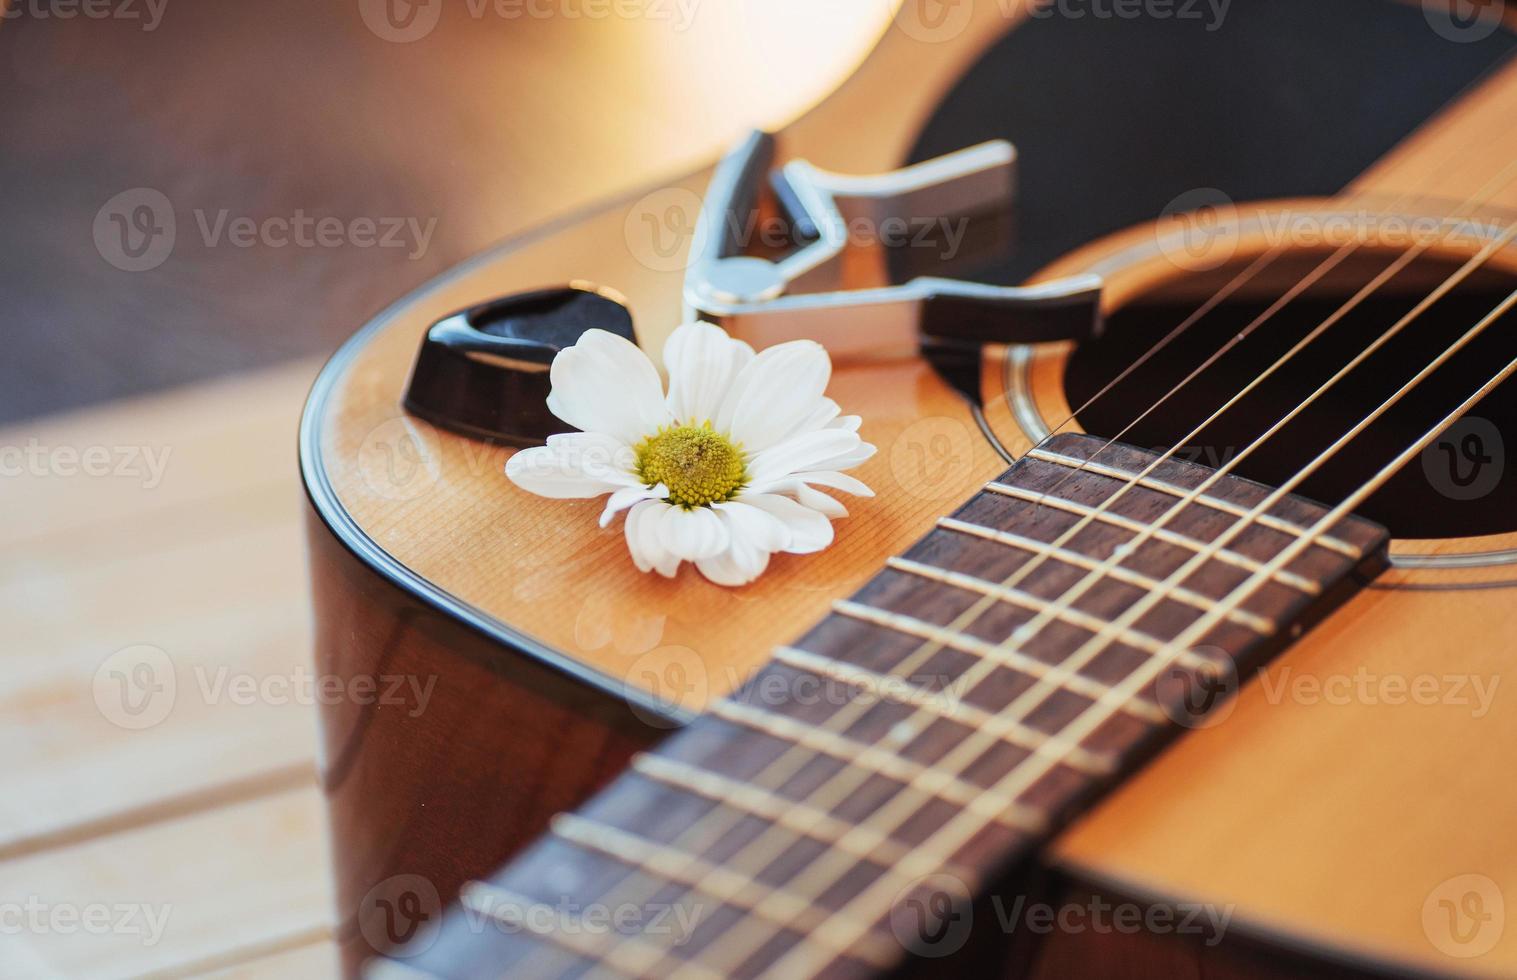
(917, 745)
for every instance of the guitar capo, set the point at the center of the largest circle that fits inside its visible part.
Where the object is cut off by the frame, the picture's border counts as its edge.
(767, 301)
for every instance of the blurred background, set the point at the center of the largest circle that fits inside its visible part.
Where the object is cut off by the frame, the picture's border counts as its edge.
(201, 200)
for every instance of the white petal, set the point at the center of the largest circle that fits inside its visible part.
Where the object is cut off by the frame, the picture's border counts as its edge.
(627, 497)
(702, 362)
(802, 453)
(692, 534)
(774, 394)
(810, 530)
(738, 565)
(822, 416)
(818, 501)
(648, 552)
(754, 526)
(826, 478)
(573, 466)
(606, 384)
(849, 422)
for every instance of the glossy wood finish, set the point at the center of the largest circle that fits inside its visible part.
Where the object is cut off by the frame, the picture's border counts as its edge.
(844, 800)
(1322, 868)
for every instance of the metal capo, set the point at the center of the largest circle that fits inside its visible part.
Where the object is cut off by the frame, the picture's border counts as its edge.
(768, 301)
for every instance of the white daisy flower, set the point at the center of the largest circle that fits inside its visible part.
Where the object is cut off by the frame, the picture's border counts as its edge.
(722, 471)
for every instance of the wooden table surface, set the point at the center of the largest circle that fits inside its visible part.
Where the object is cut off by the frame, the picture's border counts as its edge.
(193, 828)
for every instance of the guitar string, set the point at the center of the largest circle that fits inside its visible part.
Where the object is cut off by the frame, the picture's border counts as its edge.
(738, 816)
(1039, 763)
(1059, 603)
(1099, 574)
(1443, 121)
(1092, 717)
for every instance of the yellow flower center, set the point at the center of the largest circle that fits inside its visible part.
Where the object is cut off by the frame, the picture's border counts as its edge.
(698, 464)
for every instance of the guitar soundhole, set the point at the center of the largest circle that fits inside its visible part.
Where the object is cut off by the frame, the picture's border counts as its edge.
(1461, 486)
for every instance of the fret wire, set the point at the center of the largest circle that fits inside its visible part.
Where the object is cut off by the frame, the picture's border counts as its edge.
(927, 647)
(878, 762)
(719, 881)
(1256, 623)
(1075, 755)
(576, 942)
(1215, 503)
(1026, 600)
(996, 654)
(809, 821)
(1153, 667)
(1226, 556)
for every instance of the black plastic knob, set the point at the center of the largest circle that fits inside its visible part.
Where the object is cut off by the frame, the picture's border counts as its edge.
(484, 371)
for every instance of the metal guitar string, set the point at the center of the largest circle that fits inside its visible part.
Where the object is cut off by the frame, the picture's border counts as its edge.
(1102, 639)
(1093, 716)
(1249, 273)
(1032, 626)
(739, 815)
(1028, 771)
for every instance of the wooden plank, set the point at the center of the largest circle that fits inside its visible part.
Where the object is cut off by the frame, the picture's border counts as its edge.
(312, 961)
(205, 564)
(172, 898)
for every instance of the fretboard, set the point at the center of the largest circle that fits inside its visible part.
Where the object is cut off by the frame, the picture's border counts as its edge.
(928, 735)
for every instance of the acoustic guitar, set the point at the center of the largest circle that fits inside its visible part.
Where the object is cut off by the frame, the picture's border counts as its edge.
(1172, 640)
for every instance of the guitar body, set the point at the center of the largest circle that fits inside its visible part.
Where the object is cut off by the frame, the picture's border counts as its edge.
(1344, 808)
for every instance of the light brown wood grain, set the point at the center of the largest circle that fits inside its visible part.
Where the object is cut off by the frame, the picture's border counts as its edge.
(222, 886)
